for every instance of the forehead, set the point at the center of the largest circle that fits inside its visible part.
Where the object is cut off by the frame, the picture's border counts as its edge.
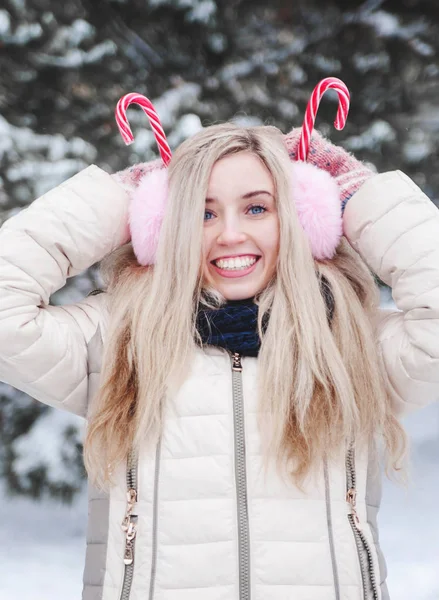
(239, 174)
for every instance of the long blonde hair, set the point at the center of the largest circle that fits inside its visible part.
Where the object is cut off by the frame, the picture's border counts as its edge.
(320, 383)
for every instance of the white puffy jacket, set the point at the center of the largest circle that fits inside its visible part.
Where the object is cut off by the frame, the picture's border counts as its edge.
(209, 524)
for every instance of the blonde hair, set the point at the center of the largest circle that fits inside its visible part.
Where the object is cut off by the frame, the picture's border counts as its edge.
(321, 381)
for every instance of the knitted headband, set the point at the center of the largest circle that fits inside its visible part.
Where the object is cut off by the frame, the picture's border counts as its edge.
(315, 192)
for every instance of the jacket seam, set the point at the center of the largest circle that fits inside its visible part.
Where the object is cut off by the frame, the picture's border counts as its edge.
(330, 531)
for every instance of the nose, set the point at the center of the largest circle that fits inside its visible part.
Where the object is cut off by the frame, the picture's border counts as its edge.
(231, 233)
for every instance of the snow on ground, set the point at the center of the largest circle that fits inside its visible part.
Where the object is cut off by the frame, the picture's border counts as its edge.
(409, 521)
(42, 549)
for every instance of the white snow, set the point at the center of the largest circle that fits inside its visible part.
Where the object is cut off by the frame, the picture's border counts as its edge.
(385, 24)
(327, 64)
(54, 159)
(217, 42)
(296, 74)
(187, 126)
(236, 70)
(202, 11)
(175, 101)
(144, 144)
(25, 33)
(45, 445)
(19, 6)
(5, 22)
(169, 107)
(42, 549)
(24, 140)
(289, 110)
(371, 62)
(418, 146)
(44, 175)
(409, 526)
(370, 138)
(198, 10)
(75, 57)
(72, 36)
(421, 47)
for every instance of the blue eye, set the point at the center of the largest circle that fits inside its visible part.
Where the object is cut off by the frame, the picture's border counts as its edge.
(207, 215)
(257, 209)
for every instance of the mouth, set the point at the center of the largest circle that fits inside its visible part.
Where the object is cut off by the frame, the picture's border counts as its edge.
(238, 266)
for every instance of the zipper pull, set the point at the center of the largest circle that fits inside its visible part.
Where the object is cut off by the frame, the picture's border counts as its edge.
(131, 500)
(237, 366)
(128, 556)
(351, 499)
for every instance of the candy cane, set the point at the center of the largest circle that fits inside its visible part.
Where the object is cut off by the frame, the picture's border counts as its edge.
(148, 108)
(312, 108)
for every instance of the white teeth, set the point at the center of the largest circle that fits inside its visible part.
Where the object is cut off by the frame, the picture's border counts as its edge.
(235, 263)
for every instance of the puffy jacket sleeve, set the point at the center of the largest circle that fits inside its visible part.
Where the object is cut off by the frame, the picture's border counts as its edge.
(395, 228)
(43, 348)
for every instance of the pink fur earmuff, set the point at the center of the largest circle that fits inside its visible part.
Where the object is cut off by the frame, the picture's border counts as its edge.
(146, 212)
(313, 190)
(318, 206)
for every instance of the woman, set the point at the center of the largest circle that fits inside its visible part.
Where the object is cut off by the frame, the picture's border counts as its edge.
(237, 392)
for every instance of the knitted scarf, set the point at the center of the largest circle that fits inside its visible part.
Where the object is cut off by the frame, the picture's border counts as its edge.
(233, 326)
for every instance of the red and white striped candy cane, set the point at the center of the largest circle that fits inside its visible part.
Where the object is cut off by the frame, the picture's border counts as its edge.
(148, 108)
(313, 106)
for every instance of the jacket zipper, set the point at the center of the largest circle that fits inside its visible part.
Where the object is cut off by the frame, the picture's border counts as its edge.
(129, 526)
(367, 568)
(241, 480)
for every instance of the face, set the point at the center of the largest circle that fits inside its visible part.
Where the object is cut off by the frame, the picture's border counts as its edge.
(241, 227)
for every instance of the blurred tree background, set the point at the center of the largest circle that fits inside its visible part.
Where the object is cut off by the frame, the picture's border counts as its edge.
(64, 66)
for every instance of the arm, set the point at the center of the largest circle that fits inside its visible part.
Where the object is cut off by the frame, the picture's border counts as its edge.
(395, 228)
(43, 348)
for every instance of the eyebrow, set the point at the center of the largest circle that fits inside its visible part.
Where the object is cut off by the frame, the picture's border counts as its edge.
(245, 196)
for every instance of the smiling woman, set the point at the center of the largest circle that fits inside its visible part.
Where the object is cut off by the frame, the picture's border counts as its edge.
(241, 229)
(210, 178)
(235, 459)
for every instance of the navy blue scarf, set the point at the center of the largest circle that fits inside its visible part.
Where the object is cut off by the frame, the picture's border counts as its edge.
(234, 326)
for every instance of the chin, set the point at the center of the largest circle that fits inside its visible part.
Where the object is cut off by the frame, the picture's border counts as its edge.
(239, 293)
